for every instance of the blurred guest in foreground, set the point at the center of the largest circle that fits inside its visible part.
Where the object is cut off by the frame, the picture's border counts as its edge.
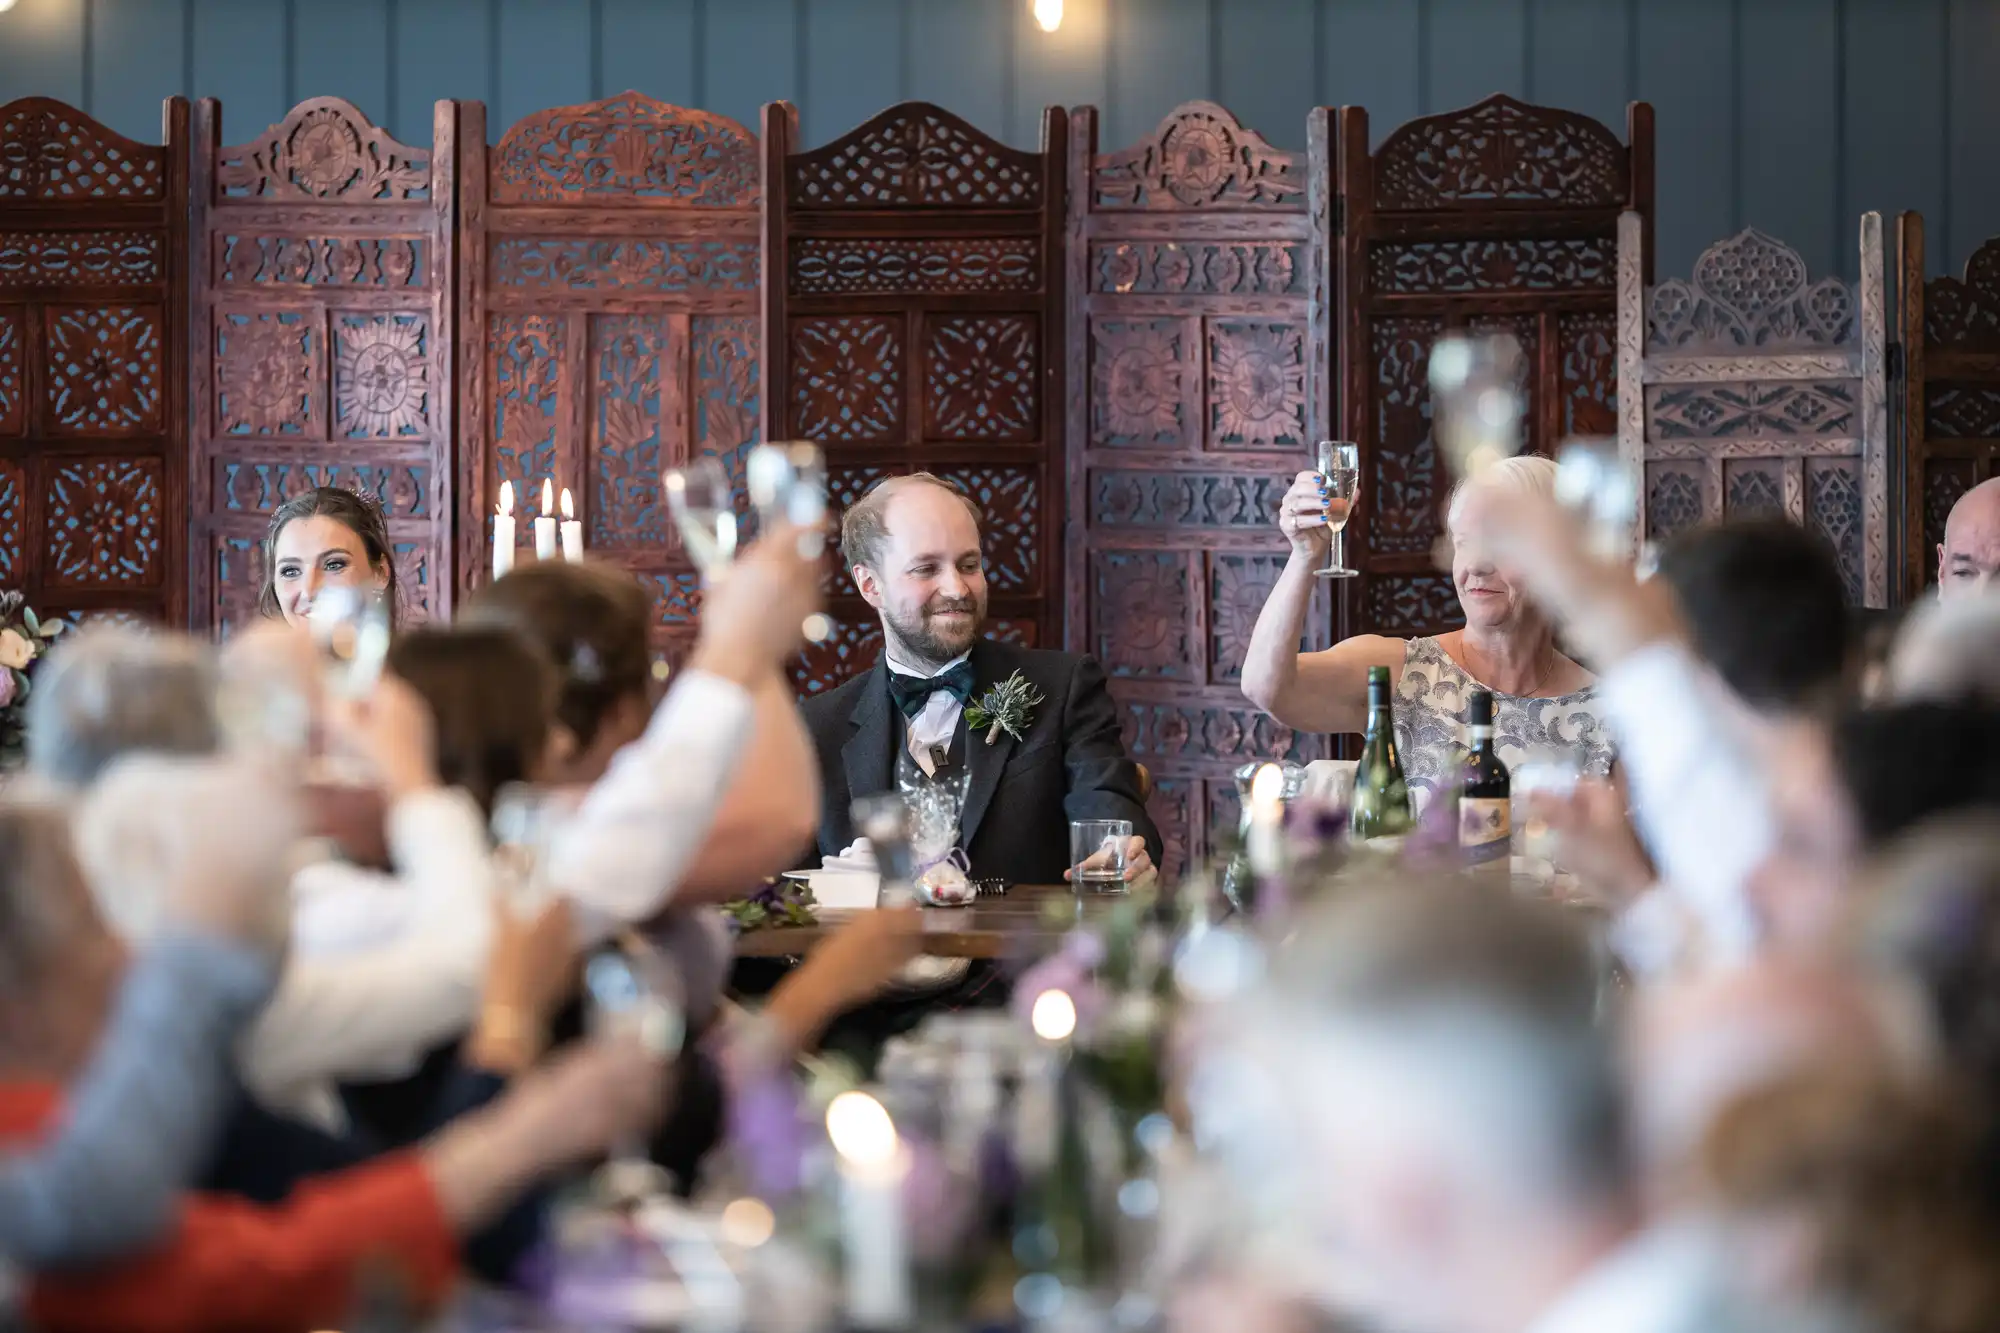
(1543, 701)
(1948, 652)
(1969, 555)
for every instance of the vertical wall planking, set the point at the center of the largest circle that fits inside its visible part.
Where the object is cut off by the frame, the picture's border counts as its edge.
(1791, 127)
(1266, 59)
(337, 50)
(962, 57)
(1371, 53)
(1475, 48)
(854, 65)
(1580, 56)
(241, 58)
(545, 57)
(749, 56)
(648, 46)
(1067, 67)
(1687, 70)
(442, 49)
(138, 59)
(1894, 102)
(1160, 57)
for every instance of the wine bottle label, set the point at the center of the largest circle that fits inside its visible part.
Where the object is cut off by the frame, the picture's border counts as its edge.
(1484, 827)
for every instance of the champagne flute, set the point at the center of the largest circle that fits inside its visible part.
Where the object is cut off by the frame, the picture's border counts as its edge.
(1340, 472)
(351, 630)
(634, 988)
(787, 482)
(698, 498)
(525, 819)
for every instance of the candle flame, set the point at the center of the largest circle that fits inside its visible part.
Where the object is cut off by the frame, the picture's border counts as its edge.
(861, 1129)
(548, 497)
(506, 497)
(1054, 1016)
(1267, 788)
(568, 510)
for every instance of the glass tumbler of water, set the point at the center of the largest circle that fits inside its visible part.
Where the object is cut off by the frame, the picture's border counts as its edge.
(1097, 854)
(1340, 473)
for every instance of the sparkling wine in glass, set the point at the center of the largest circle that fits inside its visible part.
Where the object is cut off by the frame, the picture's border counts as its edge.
(1340, 469)
(787, 482)
(699, 499)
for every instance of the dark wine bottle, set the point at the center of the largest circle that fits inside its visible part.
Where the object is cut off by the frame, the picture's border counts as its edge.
(1485, 820)
(1381, 808)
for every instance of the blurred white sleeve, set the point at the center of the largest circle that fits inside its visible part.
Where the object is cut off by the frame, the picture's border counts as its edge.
(620, 858)
(444, 869)
(1700, 794)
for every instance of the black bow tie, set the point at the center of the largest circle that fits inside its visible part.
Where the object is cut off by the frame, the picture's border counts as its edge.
(911, 693)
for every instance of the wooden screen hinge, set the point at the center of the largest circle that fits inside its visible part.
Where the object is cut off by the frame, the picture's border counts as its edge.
(1892, 361)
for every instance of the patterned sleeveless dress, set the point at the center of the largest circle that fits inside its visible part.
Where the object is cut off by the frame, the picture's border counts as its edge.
(1431, 704)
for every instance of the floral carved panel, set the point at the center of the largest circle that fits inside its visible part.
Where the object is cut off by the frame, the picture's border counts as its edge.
(1256, 385)
(1141, 375)
(1405, 490)
(256, 487)
(628, 148)
(1500, 151)
(324, 150)
(1750, 291)
(13, 408)
(1199, 157)
(105, 371)
(852, 647)
(381, 375)
(102, 527)
(981, 378)
(525, 356)
(727, 390)
(1141, 614)
(1172, 812)
(238, 579)
(13, 533)
(628, 355)
(1589, 373)
(1009, 500)
(1238, 587)
(268, 373)
(848, 378)
(915, 156)
(1411, 604)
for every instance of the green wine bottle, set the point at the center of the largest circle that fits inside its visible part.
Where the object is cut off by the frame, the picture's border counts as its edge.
(1381, 811)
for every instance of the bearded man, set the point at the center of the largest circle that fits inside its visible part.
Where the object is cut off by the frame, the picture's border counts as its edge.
(912, 545)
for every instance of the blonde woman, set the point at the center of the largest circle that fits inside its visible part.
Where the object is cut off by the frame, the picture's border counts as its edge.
(1544, 704)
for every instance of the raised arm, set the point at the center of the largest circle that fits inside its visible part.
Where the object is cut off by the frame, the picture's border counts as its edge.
(1323, 691)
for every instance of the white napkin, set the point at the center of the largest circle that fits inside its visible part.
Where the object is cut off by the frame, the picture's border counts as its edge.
(848, 880)
(856, 858)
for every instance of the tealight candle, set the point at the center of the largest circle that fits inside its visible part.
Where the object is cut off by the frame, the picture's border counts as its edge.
(1267, 813)
(503, 532)
(876, 1255)
(545, 525)
(572, 530)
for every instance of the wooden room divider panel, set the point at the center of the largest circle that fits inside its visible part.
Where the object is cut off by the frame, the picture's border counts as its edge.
(322, 342)
(608, 290)
(1500, 216)
(1198, 348)
(913, 317)
(1951, 391)
(1749, 388)
(93, 370)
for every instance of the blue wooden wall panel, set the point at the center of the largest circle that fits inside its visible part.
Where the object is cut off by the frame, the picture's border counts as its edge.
(1789, 92)
(1793, 115)
(1159, 58)
(1267, 59)
(648, 46)
(1372, 55)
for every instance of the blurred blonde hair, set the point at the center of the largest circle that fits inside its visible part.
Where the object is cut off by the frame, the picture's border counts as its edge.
(1529, 474)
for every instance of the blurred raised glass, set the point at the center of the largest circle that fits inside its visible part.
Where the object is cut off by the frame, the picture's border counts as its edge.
(1477, 399)
(350, 628)
(635, 990)
(698, 497)
(526, 817)
(1594, 479)
(787, 483)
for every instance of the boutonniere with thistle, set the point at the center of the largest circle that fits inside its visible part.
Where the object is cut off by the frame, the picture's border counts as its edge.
(1008, 706)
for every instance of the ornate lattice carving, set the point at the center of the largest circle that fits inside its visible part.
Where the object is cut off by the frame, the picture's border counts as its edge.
(1141, 617)
(628, 147)
(1945, 480)
(55, 152)
(1404, 497)
(1751, 409)
(1961, 412)
(1199, 157)
(980, 380)
(727, 389)
(413, 580)
(1500, 151)
(103, 523)
(1159, 733)
(625, 263)
(13, 413)
(526, 355)
(676, 599)
(1498, 264)
(1589, 374)
(1185, 499)
(80, 258)
(1833, 508)
(238, 582)
(324, 149)
(1238, 587)
(1198, 268)
(1137, 376)
(627, 352)
(104, 370)
(1408, 604)
(915, 156)
(851, 649)
(1010, 535)
(837, 267)
(846, 485)
(13, 534)
(1961, 312)
(1673, 499)
(1749, 291)
(1755, 489)
(267, 373)
(1004, 630)
(320, 261)
(1172, 813)
(848, 378)
(259, 487)
(1256, 385)
(381, 376)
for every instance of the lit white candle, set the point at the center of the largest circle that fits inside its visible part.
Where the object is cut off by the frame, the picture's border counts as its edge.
(572, 530)
(1267, 813)
(873, 1163)
(503, 532)
(545, 525)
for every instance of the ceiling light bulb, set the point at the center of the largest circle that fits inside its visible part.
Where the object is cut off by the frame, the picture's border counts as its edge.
(1048, 13)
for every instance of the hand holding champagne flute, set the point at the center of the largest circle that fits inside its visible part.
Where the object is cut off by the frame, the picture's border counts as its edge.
(1339, 478)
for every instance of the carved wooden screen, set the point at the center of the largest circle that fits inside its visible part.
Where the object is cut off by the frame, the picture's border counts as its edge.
(322, 342)
(93, 308)
(914, 317)
(1749, 388)
(608, 290)
(1951, 391)
(1198, 350)
(1500, 216)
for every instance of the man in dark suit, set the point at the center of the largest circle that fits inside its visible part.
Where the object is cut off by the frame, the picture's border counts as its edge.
(912, 546)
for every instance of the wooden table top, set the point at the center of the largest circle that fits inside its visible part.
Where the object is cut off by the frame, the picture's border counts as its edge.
(1027, 919)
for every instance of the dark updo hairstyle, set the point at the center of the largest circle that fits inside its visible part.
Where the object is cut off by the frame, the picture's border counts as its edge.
(360, 514)
(492, 695)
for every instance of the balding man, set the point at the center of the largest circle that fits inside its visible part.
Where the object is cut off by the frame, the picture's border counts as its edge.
(1969, 555)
